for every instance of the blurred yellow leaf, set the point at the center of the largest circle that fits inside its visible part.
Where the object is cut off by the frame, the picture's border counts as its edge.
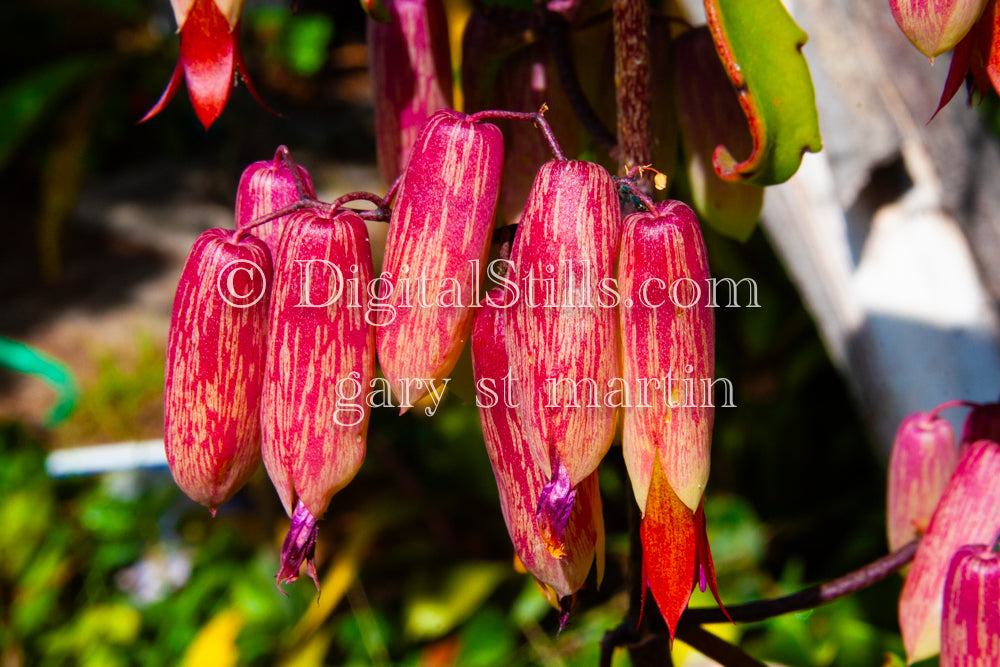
(338, 579)
(432, 613)
(215, 643)
(310, 654)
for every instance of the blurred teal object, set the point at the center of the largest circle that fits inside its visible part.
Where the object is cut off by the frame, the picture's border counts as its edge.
(25, 359)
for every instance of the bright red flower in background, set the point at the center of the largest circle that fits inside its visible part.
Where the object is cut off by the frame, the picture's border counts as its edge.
(210, 57)
(976, 59)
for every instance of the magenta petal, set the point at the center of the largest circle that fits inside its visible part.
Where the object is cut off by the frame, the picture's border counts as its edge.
(172, 87)
(923, 457)
(299, 545)
(983, 423)
(554, 507)
(207, 55)
(565, 607)
(970, 627)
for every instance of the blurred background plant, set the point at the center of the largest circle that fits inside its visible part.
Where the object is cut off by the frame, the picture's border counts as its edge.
(416, 566)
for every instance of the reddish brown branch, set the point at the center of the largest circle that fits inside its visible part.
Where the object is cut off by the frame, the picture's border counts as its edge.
(808, 598)
(538, 118)
(632, 96)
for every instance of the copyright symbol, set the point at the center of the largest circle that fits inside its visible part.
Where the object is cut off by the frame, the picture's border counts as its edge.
(239, 281)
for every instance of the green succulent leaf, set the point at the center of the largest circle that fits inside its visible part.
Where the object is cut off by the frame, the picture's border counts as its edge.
(760, 47)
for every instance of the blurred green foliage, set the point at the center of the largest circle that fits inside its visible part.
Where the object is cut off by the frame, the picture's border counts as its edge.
(124, 402)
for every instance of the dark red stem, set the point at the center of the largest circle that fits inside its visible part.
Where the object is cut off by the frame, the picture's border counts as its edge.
(810, 597)
(632, 97)
(538, 118)
(286, 157)
(392, 189)
(360, 195)
(637, 192)
(716, 648)
(378, 215)
(305, 202)
(956, 403)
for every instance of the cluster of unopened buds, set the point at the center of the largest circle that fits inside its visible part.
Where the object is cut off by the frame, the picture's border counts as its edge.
(264, 340)
(949, 496)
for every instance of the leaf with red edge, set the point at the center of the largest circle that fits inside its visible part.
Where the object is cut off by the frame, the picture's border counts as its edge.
(760, 46)
(709, 113)
(669, 545)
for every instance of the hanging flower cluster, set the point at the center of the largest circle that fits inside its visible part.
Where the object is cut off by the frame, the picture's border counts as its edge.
(259, 355)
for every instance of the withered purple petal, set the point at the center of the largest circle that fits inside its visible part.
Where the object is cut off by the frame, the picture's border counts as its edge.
(299, 545)
(554, 508)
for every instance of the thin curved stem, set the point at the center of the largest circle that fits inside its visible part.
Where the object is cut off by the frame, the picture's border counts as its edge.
(807, 598)
(378, 215)
(955, 403)
(637, 192)
(538, 118)
(293, 168)
(689, 627)
(360, 195)
(393, 189)
(303, 203)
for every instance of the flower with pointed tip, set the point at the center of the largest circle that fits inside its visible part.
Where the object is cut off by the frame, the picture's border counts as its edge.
(210, 57)
(215, 366)
(923, 457)
(563, 356)
(976, 59)
(970, 627)
(935, 26)
(520, 480)
(667, 434)
(320, 356)
(968, 513)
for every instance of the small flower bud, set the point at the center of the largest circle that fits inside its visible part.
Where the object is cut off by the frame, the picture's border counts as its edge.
(435, 252)
(215, 366)
(265, 187)
(923, 457)
(935, 26)
(970, 628)
(968, 513)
